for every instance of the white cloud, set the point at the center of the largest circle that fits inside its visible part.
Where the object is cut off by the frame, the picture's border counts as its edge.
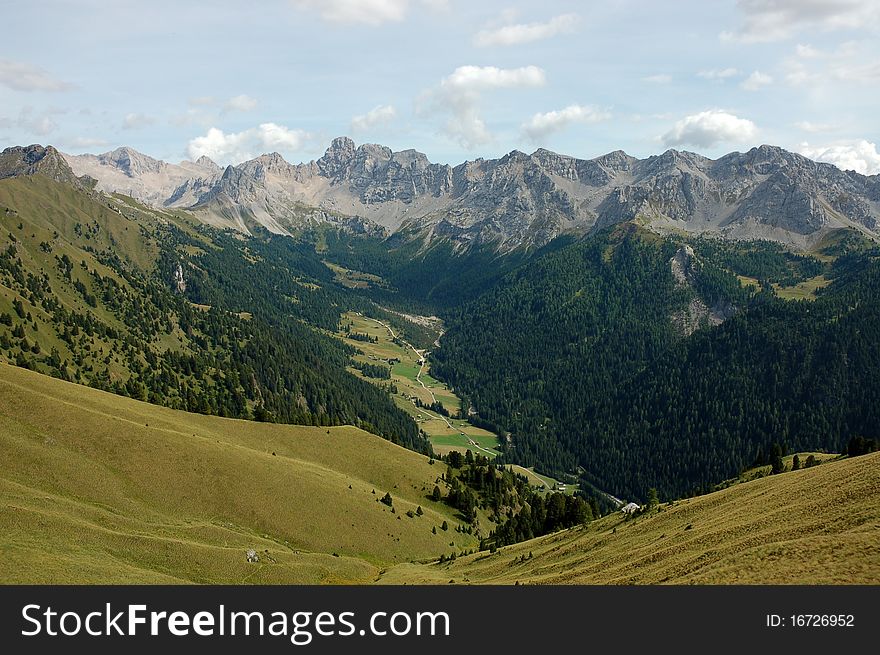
(368, 12)
(20, 76)
(850, 62)
(376, 116)
(236, 147)
(718, 74)
(775, 20)
(459, 94)
(137, 121)
(856, 155)
(477, 78)
(240, 103)
(540, 125)
(520, 33)
(660, 78)
(709, 128)
(756, 81)
(814, 128)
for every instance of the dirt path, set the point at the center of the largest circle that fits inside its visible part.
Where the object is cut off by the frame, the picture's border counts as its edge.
(422, 356)
(423, 360)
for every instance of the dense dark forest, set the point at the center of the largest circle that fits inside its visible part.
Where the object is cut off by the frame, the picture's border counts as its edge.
(422, 279)
(575, 356)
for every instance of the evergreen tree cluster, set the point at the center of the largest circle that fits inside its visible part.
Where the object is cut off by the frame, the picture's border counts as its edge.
(575, 356)
(519, 510)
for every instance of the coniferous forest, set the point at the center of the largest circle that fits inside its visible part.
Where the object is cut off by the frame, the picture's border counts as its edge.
(575, 356)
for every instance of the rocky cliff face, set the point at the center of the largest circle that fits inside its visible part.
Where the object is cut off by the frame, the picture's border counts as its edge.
(153, 181)
(516, 200)
(30, 160)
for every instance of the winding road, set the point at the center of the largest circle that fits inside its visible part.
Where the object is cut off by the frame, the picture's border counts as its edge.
(423, 360)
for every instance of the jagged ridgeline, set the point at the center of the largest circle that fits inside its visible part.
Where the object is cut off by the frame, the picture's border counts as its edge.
(639, 361)
(151, 304)
(513, 202)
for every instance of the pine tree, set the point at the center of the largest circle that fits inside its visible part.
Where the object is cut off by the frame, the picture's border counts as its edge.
(653, 500)
(776, 463)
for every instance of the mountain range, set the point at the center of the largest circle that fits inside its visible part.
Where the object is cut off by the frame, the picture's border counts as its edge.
(518, 200)
(626, 364)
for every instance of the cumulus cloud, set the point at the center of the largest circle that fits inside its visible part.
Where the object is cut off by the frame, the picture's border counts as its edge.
(137, 121)
(756, 81)
(376, 116)
(459, 95)
(775, 20)
(368, 12)
(21, 76)
(520, 33)
(477, 78)
(542, 124)
(240, 103)
(709, 128)
(718, 74)
(660, 78)
(235, 147)
(856, 155)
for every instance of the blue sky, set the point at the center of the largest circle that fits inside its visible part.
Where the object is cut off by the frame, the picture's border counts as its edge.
(455, 79)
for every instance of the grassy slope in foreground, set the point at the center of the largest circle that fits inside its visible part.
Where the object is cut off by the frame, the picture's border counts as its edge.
(814, 526)
(99, 488)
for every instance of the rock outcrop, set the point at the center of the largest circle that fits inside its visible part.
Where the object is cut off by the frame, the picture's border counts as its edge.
(518, 200)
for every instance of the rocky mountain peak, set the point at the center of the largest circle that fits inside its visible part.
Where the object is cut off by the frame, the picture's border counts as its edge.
(515, 156)
(131, 162)
(29, 160)
(411, 159)
(337, 157)
(616, 161)
(518, 200)
(272, 163)
(206, 162)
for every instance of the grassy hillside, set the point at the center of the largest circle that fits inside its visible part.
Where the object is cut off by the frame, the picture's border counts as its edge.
(142, 302)
(814, 526)
(96, 487)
